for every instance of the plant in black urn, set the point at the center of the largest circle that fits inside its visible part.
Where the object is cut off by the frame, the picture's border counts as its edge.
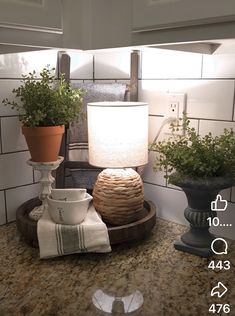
(202, 166)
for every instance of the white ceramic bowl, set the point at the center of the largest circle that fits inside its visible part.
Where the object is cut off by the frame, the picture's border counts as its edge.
(68, 212)
(68, 194)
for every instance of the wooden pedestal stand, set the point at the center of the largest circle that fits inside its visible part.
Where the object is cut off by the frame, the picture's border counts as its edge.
(46, 180)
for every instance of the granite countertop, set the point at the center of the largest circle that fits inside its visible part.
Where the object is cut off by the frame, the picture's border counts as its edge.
(145, 278)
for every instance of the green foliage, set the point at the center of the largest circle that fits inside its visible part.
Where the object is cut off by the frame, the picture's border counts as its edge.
(194, 156)
(47, 101)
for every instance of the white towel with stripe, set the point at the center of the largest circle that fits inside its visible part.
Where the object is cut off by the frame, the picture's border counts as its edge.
(58, 240)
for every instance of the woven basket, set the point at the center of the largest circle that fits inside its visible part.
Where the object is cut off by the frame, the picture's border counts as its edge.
(118, 196)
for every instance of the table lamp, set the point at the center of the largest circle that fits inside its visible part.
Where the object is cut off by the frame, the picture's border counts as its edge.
(118, 140)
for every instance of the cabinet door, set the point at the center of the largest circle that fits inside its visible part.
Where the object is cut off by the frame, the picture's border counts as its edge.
(160, 14)
(110, 23)
(41, 15)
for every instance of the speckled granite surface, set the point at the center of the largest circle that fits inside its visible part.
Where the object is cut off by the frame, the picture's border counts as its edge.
(149, 276)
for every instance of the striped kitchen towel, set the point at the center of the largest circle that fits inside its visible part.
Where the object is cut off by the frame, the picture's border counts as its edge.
(58, 240)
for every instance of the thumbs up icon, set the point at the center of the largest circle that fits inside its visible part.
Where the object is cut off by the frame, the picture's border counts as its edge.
(219, 205)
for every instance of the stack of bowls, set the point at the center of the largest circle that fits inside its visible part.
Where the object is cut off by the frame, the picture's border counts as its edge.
(68, 206)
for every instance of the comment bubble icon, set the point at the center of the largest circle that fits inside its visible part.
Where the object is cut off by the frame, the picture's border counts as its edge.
(219, 246)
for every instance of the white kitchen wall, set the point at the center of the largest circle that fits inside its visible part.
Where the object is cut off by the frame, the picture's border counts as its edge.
(208, 81)
(18, 182)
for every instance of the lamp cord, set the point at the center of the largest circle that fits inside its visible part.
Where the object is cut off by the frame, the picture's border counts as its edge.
(166, 121)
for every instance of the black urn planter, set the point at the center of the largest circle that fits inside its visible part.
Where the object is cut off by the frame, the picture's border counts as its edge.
(200, 193)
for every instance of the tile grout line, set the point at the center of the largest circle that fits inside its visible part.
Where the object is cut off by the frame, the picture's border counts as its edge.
(9, 116)
(188, 79)
(1, 134)
(5, 201)
(93, 68)
(15, 152)
(233, 110)
(202, 61)
(19, 186)
(161, 186)
(196, 118)
(140, 74)
(33, 175)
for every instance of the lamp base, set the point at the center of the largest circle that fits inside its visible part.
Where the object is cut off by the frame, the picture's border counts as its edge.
(118, 196)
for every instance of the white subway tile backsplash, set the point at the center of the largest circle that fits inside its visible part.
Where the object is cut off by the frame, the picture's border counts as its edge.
(170, 204)
(81, 66)
(211, 99)
(15, 197)
(215, 127)
(167, 64)
(14, 170)
(12, 138)
(14, 65)
(149, 175)
(155, 124)
(112, 64)
(6, 87)
(154, 92)
(2, 209)
(218, 66)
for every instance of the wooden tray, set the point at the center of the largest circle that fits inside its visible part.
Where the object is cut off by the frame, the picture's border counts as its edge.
(117, 234)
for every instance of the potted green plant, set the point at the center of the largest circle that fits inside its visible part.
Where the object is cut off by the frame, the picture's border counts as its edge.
(202, 166)
(45, 106)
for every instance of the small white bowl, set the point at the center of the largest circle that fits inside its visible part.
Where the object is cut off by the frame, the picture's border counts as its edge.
(68, 212)
(68, 194)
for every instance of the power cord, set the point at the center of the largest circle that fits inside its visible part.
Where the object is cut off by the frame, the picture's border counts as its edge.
(168, 120)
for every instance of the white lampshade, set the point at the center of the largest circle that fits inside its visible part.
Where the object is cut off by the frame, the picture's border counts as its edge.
(117, 134)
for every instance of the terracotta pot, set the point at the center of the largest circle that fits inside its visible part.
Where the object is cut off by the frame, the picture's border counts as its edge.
(43, 142)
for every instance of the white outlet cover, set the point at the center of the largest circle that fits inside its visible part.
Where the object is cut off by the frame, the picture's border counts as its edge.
(175, 108)
(176, 105)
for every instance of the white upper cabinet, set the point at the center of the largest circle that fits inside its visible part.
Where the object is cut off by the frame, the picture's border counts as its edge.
(110, 23)
(96, 24)
(161, 14)
(30, 24)
(40, 15)
(181, 21)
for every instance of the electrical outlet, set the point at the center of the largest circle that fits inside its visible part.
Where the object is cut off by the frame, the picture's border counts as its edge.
(175, 108)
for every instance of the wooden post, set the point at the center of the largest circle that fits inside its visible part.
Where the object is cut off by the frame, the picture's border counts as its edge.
(63, 68)
(134, 76)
